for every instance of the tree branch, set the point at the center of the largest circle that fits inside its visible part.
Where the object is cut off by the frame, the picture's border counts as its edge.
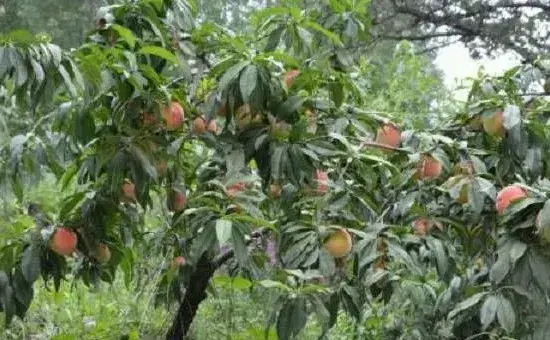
(195, 291)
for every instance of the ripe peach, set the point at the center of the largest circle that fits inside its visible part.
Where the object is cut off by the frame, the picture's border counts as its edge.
(176, 200)
(174, 116)
(322, 181)
(212, 126)
(64, 241)
(494, 124)
(421, 226)
(339, 243)
(509, 195)
(390, 135)
(102, 253)
(429, 168)
(290, 77)
(199, 125)
(129, 191)
(178, 262)
(234, 189)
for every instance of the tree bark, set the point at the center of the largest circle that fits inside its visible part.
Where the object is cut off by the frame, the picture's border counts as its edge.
(195, 291)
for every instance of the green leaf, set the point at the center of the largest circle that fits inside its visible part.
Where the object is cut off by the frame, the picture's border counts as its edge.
(68, 81)
(488, 311)
(292, 319)
(159, 52)
(231, 74)
(248, 82)
(241, 283)
(506, 314)
(274, 39)
(30, 264)
(273, 284)
(336, 89)
(486, 187)
(8, 303)
(500, 269)
(351, 301)
(517, 251)
(56, 53)
(276, 160)
(38, 71)
(239, 244)
(466, 304)
(70, 203)
(126, 34)
(331, 35)
(512, 116)
(223, 230)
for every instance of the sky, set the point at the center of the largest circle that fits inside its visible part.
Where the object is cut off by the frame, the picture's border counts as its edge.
(457, 65)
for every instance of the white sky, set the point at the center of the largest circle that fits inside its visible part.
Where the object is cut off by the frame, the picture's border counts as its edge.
(457, 65)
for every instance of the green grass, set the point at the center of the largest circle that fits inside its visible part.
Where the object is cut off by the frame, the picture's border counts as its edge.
(112, 312)
(77, 312)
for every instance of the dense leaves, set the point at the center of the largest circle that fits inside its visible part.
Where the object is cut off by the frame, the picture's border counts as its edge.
(292, 156)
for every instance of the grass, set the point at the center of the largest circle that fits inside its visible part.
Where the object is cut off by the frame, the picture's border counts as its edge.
(114, 312)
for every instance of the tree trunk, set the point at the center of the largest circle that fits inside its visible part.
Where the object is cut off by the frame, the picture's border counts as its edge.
(195, 293)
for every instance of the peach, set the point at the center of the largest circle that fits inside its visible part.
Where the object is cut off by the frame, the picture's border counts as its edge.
(64, 242)
(178, 262)
(390, 135)
(421, 226)
(509, 195)
(236, 188)
(174, 116)
(129, 191)
(494, 124)
(429, 168)
(290, 77)
(199, 125)
(176, 200)
(339, 243)
(212, 126)
(322, 181)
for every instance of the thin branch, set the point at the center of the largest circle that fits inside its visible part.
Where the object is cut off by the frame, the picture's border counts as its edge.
(379, 145)
(227, 255)
(421, 37)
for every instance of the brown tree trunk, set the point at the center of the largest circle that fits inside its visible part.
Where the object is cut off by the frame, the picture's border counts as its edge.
(195, 293)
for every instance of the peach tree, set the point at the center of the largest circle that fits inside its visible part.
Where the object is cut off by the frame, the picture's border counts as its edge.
(271, 165)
